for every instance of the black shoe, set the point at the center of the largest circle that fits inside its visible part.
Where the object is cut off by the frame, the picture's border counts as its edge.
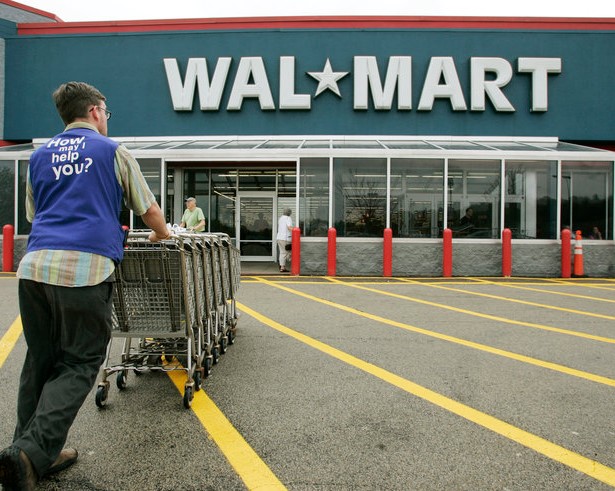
(16, 471)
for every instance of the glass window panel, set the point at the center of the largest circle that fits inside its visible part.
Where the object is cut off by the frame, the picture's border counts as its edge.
(408, 145)
(160, 146)
(457, 145)
(198, 145)
(316, 144)
(17, 148)
(196, 185)
(287, 192)
(150, 168)
(360, 197)
(587, 198)
(314, 197)
(530, 205)
(417, 197)
(474, 198)
(281, 144)
(7, 192)
(287, 183)
(223, 200)
(23, 225)
(139, 145)
(240, 144)
(506, 145)
(257, 180)
(356, 144)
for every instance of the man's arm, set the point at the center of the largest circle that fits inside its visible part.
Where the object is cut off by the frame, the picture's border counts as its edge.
(138, 196)
(154, 219)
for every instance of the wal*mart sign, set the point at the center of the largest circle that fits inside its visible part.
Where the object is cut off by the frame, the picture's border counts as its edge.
(489, 77)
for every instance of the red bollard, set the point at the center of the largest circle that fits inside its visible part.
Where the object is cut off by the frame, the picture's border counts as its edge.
(506, 253)
(447, 253)
(566, 259)
(8, 247)
(387, 254)
(331, 251)
(295, 255)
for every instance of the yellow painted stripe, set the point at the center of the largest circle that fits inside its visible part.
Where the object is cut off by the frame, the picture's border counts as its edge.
(463, 342)
(514, 300)
(549, 292)
(7, 343)
(246, 462)
(556, 452)
(496, 318)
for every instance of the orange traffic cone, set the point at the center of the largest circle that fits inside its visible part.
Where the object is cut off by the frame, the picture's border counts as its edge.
(578, 256)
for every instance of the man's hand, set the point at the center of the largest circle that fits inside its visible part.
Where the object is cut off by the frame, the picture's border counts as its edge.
(154, 237)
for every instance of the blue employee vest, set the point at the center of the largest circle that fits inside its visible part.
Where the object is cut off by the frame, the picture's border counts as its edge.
(76, 194)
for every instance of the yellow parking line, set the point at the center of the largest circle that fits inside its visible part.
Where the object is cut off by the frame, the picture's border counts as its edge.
(452, 339)
(496, 318)
(8, 341)
(555, 452)
(524, 302)
(246, 462)
(539, 290)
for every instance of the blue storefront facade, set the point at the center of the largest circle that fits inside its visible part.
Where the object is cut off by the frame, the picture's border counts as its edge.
(361, 124)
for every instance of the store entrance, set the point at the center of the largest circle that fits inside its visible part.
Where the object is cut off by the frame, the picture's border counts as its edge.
(255, 220)
(238, 199)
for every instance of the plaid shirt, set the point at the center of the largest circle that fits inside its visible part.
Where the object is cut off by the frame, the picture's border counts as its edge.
(76, 268)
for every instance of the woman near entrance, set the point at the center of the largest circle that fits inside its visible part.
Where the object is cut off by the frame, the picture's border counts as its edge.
(285, 228)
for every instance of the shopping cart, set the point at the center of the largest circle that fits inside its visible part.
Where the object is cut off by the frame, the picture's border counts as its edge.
(230, 274)
(156, 312)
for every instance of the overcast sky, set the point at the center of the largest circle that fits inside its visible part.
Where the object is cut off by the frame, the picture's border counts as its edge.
(90, 10)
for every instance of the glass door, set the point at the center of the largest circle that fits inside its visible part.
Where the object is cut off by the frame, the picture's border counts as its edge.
(255, 221)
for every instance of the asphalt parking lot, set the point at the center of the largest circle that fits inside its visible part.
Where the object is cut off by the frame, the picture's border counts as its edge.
(365, 384)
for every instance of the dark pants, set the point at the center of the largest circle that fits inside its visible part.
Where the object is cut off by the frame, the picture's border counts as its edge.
(67, 331)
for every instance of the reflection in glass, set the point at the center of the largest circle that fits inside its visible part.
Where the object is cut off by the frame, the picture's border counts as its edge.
(314, 198)
(150, 168)
(474, 198)
(23, 225)
(417, 197)
(7, 192)
(222, 201)
(587, 198)
(530, 209)
(360, 197)
(256, 226)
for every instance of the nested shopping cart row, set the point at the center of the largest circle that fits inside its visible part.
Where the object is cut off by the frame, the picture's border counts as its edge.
(173, 308)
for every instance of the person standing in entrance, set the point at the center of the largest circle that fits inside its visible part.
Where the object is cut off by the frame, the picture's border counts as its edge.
(75, 186)
(284, 237)
(193, 218)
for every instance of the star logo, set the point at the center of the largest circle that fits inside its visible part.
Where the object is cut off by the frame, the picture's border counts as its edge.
(327, 79)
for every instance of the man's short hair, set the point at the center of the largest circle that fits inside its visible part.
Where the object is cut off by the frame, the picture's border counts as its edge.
(73, 100)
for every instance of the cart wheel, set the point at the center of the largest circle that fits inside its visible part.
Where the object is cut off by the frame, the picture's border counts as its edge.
(231, 337)
(197, 379)
(121, 379)
(101, 396)
(215, 356)
(207, 367)
(223, 344)
(188, 396)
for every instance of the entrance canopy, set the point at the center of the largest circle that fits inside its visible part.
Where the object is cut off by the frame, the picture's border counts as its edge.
(417, 186)
(297, 146)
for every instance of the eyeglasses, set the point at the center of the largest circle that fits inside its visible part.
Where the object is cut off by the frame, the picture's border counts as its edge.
(107, 112)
